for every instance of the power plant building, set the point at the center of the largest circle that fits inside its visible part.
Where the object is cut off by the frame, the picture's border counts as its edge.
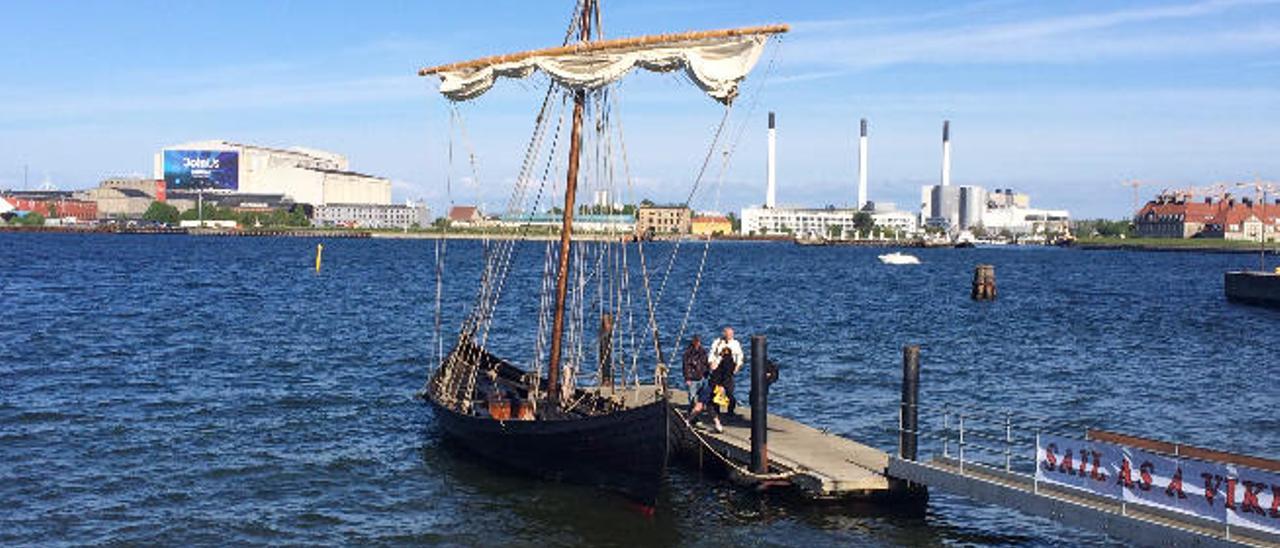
(821, 222)
(302, 175)
(960, 208)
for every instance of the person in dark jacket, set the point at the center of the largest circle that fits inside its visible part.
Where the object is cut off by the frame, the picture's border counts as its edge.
(720, 377)
(695, 366)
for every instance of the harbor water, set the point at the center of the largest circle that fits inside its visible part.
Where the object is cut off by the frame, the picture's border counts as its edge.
(205, 390)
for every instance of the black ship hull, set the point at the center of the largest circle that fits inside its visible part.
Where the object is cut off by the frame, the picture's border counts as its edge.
(1256, 288)
(596, 442)
(625, 451)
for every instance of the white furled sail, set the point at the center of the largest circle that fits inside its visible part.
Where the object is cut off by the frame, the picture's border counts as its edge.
(717, 61)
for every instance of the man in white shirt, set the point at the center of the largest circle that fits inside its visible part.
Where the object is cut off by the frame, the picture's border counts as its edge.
(726, 342)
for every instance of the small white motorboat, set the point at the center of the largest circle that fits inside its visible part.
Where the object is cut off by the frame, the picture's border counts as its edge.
(899, 258)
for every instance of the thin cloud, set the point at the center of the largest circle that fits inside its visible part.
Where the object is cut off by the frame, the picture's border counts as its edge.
(1052, 39)
(848, 23)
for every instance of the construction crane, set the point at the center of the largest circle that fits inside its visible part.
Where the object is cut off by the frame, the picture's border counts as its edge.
(1260, 187)
(1134, 184)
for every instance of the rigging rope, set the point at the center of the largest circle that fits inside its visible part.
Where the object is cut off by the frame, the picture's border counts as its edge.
(724, 168)
(499, 255)
(779, 476)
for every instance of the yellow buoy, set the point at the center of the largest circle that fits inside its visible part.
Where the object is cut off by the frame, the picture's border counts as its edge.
(319, 254)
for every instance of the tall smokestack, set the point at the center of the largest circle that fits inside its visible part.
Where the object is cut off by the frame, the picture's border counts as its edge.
(862, 166)
(946, 153)
(771, 193)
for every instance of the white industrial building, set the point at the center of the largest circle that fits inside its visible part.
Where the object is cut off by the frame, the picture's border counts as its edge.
(953, 207)
(967, 207)
(1012, 212)
(820, 222)
(960, 208)
(303, 175)
(408, 215)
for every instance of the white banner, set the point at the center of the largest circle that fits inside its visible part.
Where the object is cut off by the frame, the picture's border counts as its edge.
(1257, 500)
(1172, 484)
(1089, 465)
(1226, 493)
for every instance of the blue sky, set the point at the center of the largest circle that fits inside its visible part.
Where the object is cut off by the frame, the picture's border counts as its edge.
(1062, 100)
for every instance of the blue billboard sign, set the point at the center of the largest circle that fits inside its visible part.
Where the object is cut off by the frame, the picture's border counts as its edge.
(201, 169)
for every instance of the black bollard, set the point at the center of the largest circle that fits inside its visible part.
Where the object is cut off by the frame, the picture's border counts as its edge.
(759, 406)
(909, 414)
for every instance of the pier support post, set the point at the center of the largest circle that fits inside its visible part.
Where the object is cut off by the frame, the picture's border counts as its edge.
(984, 283)
(759, 405)
(909, 413)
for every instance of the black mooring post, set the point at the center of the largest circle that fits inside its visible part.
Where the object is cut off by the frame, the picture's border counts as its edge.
(759, 406)
(909, 414)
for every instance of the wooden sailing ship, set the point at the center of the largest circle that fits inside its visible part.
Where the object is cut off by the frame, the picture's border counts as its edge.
(553, 425)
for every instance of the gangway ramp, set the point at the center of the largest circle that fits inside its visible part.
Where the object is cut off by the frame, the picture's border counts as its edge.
(1133, 523)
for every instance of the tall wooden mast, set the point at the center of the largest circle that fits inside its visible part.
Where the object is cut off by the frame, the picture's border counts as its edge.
(566, 229)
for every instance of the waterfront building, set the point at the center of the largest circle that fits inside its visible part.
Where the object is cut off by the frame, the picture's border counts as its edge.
(970, 207)
(1006, 197)
(303, 175)
(655, 220)
(1252, 222)
(402, 216)
(799, 222)
(824, 222)
(465, 215)
(953, 208)
(51, 204)
(1175, 215)
(710, 225)
(887, 215)
(582, 222)
(1019, 221)
(126, 197)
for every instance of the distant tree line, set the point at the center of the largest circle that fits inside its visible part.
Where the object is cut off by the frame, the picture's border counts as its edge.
(33, 218)
(160, 212)
(1105, 228)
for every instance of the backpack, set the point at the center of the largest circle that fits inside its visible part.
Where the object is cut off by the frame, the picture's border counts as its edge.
(770, 372)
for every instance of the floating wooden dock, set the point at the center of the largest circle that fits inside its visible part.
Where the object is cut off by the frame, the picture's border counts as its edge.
(819, 464)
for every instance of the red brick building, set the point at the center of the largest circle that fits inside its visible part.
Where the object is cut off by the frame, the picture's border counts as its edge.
(52, 204)
(1172, 216)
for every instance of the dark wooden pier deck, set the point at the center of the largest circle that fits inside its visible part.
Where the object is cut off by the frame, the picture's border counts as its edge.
(821, 465)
